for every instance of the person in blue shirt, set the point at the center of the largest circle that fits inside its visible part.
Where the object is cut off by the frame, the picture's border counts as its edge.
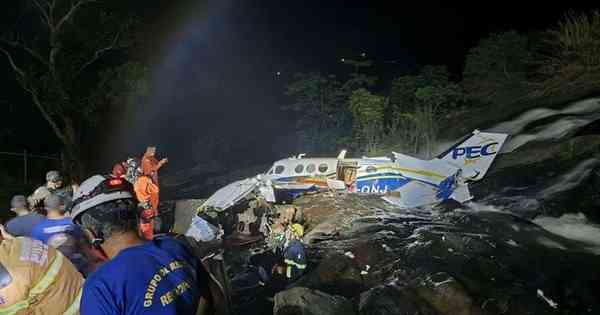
(161, 276)
(23, 223)
(59, 231)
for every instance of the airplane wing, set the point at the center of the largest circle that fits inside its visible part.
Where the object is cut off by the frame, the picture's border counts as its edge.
(237, 191)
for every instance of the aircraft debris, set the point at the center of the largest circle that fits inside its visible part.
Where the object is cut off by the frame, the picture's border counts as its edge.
(541, 295)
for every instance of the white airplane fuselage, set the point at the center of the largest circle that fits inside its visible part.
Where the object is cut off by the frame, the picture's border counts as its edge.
(414, 181)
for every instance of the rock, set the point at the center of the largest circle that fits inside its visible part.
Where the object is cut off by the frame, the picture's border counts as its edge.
(446, 295)
(304, 301)
(393, 300)
(335, 274)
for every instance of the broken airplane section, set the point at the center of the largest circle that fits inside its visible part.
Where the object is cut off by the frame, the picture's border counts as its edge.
(403, 180)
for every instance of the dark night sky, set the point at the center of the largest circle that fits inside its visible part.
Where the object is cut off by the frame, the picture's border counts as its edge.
(214, 65)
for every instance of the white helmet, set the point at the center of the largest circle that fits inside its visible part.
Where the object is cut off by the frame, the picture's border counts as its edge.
(97, 190)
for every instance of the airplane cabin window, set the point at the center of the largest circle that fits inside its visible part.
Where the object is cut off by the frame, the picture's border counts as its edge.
(371, 169)
(299, 168)
(279, 169)
(310, 168)
(323, 168)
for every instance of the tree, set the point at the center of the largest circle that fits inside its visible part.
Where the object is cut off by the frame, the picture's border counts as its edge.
(322, 116)
(403, 121)
(434, 102)
(496, 69)
(368, 111)
(56, 61)
(571, 56)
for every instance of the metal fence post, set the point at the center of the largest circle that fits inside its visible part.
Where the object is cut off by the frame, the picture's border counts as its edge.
(25, 166)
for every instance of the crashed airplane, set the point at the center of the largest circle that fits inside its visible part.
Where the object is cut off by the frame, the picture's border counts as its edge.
(403, 180)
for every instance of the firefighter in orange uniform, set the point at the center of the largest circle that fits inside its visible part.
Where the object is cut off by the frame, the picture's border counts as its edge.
(147, 190)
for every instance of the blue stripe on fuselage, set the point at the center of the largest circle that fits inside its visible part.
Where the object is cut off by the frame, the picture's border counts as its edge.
(380, 185)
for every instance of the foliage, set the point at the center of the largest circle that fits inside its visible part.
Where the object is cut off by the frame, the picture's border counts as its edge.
(417, 103)
(319, 102)
(571, 56)
(434, 103)
(368, 111)
(496, 69)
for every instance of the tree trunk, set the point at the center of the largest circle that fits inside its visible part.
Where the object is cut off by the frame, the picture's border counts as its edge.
(73, 162)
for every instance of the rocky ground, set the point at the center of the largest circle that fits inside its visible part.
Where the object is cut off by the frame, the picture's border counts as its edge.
(371, 258)
(495, 255)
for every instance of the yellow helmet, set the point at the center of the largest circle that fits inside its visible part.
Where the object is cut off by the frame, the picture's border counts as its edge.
(298, 229)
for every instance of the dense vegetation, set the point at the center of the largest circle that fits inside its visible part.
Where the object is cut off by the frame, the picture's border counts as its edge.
(504, 71)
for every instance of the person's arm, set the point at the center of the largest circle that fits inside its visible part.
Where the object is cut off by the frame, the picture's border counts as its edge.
(161, 163)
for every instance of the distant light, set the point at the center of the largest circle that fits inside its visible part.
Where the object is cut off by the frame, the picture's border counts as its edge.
(364, 54)
(343, 60)
(278, 73)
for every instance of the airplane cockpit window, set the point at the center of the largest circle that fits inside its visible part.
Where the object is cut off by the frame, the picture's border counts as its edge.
(310, 168)
(371, 169)
(323, 168)
(279, 169)
(299, 168)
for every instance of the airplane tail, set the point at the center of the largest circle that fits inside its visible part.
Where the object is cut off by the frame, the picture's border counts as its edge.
(475, 153)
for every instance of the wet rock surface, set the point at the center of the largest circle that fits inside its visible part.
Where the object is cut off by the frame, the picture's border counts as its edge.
(546, 178)
(390, 261)
(303, 301)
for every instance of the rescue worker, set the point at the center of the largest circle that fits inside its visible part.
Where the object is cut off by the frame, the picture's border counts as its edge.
(55, 183)
(161, 276)
(132, 169)
(36, 279)
(149, 189)
(294, 253)
(59, 231)
(23, 223)
(146, 192)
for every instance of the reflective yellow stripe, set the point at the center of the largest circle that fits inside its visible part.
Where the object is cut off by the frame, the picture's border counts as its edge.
(74, 308)
(421, 172)
(293, 263)
(13, 309)
(288, 272)
(49, 277)
(39, 288)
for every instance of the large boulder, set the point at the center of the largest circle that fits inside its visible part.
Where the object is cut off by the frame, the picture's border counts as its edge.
(446, 295)
(335, 274)
(393, 299)
(304, 301)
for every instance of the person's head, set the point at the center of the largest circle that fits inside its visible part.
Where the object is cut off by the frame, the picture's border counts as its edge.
(18, 204)
(55, 204)
(54, 180)
(36, 200)
(150, 151)
(118, 170)
(105, 209)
